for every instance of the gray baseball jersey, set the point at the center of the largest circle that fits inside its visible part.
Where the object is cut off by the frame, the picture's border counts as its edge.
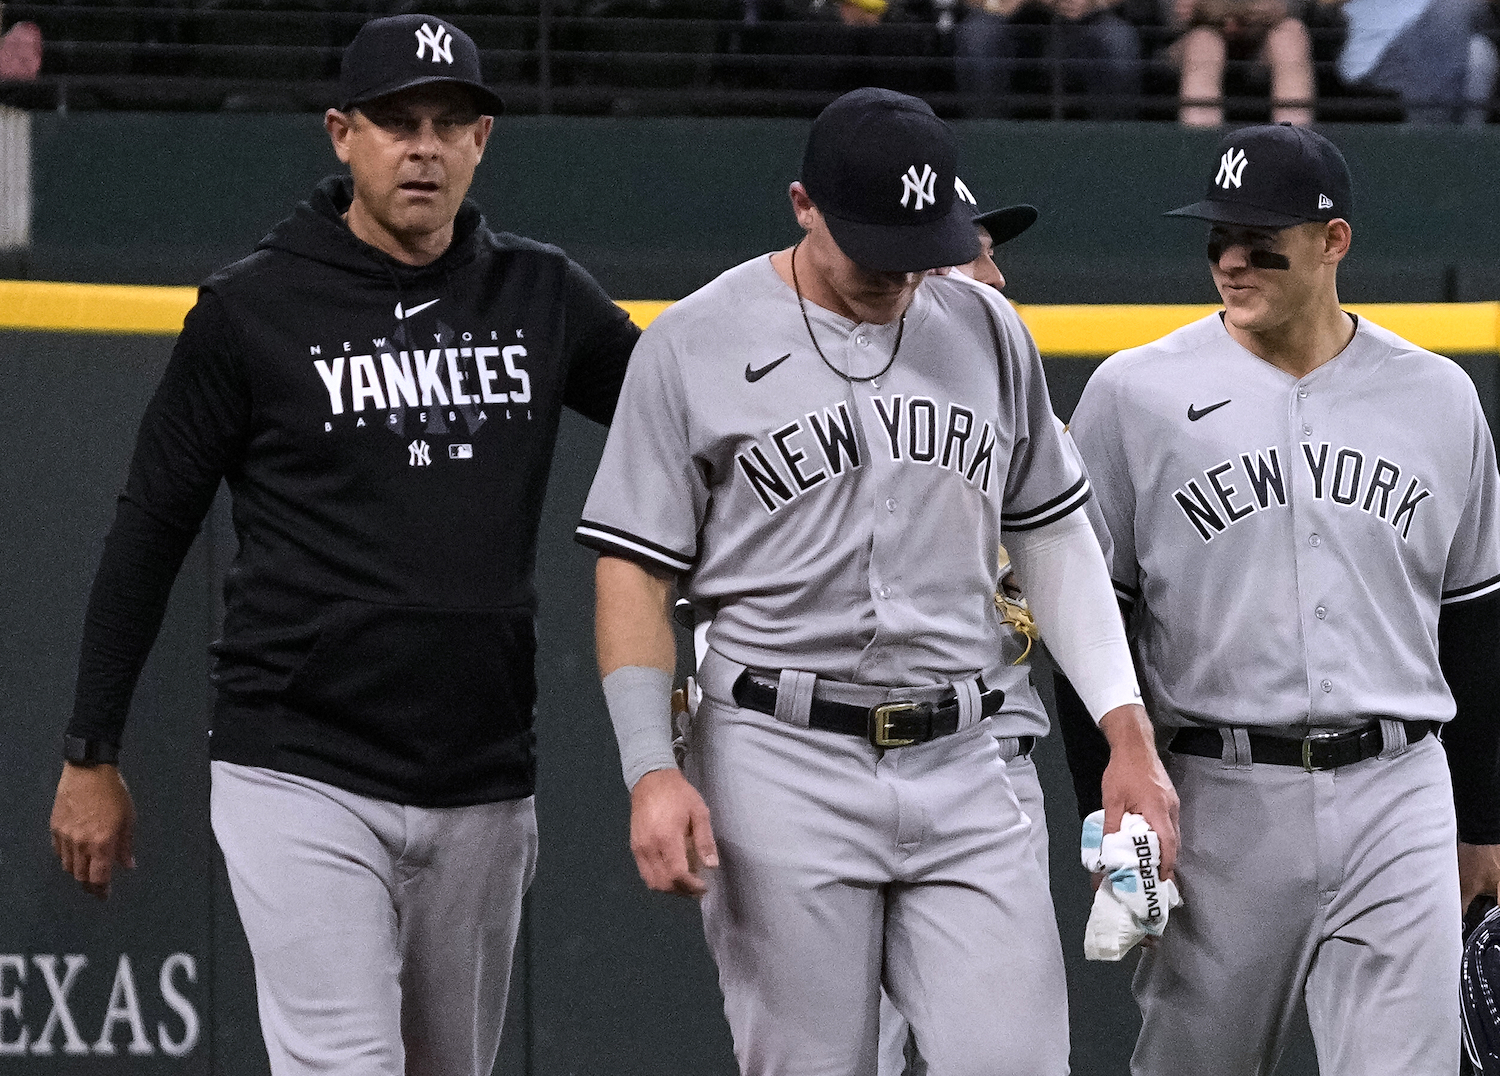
(844, 518)
(1288, 544)
(1290, 541)
(847, 528)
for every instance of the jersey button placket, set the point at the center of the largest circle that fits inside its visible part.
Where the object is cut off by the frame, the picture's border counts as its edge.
(1309, 577)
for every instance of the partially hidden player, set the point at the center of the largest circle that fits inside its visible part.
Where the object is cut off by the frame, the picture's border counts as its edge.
(379, 384)
(822, 448)
(1023, 718)
(1304, 514)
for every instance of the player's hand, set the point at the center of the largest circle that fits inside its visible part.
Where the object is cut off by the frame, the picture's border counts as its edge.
(93, 825)
(1478, 872)
(1135, 779)
(670, 834)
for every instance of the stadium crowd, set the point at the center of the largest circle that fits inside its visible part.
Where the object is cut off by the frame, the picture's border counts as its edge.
(1206, 61)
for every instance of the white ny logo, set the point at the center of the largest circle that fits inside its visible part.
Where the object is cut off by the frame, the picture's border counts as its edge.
(440, 40)
(421, 454)
(1231, 168)
(922, 186)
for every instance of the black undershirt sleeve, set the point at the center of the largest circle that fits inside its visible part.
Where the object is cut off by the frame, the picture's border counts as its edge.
(192, 433)
(1085, 745)
(598, 339)
(1469, 653)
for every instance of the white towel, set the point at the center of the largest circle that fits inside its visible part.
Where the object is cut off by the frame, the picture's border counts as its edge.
(1132, 901)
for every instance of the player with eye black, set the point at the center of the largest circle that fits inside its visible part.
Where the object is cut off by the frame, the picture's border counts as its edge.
(1305, 515)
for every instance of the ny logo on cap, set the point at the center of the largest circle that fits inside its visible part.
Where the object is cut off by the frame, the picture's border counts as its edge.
(1231, 168)
(922, 186)
(963, 192)
(440, 41)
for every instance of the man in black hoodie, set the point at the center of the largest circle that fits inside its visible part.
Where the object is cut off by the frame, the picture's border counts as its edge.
(379, 384)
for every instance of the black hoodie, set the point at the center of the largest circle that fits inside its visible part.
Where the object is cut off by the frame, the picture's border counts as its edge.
(386, 432)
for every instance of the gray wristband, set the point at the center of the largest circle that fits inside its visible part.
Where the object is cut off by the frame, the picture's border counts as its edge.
(640, 706)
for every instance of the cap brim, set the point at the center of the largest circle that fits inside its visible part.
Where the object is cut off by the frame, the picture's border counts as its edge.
(1005, 224)
(485, 100)
(908, 248)
(1248, 216)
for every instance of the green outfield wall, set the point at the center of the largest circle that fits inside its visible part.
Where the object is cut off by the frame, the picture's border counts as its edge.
(656, 207)
(611, 980)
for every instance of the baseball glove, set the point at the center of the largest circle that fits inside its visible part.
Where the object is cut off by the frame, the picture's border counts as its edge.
(1480, 988)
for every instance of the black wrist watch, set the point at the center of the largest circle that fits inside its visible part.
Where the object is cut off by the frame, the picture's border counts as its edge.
(83, 752)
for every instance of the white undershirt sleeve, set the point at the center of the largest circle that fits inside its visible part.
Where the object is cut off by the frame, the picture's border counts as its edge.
(1062, 574)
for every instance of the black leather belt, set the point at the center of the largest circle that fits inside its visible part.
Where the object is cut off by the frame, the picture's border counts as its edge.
(890, 724)
(1323, 751)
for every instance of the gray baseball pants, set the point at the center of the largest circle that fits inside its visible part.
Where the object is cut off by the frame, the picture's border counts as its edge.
(842, 865)
(382, 935)
(894, 1029)
(1340, 886)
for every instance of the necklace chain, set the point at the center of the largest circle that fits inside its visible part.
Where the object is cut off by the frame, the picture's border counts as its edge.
(801, 305)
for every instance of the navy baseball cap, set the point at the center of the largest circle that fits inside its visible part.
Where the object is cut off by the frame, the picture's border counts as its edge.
(1275, 176)
(1002, 224)
(402, 51)
(880, 166)
(1005, 224)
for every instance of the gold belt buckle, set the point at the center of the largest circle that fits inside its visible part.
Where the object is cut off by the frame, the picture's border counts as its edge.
(1307, 746)
(880, 722)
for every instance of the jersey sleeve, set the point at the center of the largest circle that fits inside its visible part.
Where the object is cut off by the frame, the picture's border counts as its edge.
(649, 496)
(1473, 568)
(1091, 506)
(598, 339)
(192, 434)
(1044, 482)
(1098, 432)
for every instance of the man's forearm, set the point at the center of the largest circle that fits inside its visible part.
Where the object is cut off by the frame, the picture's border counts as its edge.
(632, 618)
(1127, 728)
(637, 656)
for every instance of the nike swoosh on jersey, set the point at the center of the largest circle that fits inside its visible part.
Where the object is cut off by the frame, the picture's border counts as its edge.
(402, 316)
(753, 375)
(1194, 414)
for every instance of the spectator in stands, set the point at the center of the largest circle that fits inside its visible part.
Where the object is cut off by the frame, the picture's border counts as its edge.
(1214, 32)
(20, 51)
(1091, 49)
(1418, 49)
(856, 40)
(861, 12)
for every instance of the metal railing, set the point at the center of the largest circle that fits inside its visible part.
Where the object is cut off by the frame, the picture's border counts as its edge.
(546, 56)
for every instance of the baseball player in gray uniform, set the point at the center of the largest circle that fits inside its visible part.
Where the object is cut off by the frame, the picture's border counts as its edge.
(1023, 718)
(821, 448)
(1304, 512)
